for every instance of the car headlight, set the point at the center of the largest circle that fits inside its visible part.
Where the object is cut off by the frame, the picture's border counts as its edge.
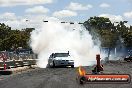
(127, 56)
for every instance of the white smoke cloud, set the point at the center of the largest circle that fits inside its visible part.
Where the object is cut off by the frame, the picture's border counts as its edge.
(56, 37)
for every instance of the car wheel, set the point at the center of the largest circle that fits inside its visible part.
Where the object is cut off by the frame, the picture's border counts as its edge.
(52, 64)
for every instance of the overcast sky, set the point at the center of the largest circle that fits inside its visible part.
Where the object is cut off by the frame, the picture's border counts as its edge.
(15, 12)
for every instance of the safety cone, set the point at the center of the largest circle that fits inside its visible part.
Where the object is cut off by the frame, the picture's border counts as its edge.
(4, 66)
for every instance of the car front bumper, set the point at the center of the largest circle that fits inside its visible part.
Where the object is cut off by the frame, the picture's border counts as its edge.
(63, 62)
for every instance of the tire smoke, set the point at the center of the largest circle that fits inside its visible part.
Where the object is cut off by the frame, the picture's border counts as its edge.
(55, 37)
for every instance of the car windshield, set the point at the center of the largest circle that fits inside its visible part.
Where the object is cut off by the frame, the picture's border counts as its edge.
(61, 55)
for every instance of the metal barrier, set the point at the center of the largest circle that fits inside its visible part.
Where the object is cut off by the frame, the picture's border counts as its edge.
(13, 60)
(18, 63)
(21, 57)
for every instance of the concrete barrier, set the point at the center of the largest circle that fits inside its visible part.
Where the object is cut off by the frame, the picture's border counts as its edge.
(10, 64)
(18, 63)
(31, 62)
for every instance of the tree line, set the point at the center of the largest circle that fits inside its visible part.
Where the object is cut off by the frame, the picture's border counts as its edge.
(100, 28)
(12, 39)
(111, 34)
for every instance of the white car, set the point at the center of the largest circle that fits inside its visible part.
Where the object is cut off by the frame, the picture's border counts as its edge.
(60, 59)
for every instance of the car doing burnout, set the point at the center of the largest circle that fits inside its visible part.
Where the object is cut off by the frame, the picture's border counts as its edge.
(60, 59)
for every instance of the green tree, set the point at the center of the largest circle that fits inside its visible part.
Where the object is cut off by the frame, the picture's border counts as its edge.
(13, 38)
(101, 28)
